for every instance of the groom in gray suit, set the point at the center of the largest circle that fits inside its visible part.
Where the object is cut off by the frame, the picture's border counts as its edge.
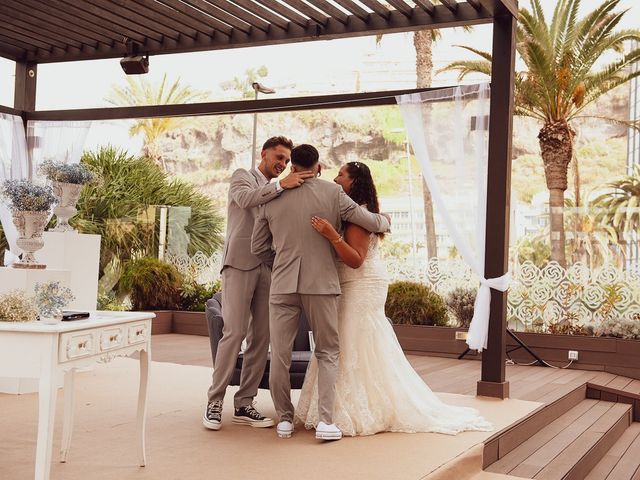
(245, 286)
(304, 277)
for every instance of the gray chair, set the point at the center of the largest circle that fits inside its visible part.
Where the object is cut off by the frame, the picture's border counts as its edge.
(301, 346)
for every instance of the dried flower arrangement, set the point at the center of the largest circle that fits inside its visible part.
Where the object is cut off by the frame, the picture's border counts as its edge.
(76, 173)
(25, 196)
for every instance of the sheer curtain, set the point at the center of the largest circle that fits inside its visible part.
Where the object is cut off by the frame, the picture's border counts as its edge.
(448, 129)
(13, 165)
(59, 141)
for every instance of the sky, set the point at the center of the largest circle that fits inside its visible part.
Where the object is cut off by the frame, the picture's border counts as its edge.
(311, 67)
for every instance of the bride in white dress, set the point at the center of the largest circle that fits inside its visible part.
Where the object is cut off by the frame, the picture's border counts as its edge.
(377, 390)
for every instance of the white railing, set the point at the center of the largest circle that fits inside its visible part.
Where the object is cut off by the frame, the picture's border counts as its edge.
(537, 297)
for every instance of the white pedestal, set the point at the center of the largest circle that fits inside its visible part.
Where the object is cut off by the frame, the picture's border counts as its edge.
(79, 253)
(26, 279)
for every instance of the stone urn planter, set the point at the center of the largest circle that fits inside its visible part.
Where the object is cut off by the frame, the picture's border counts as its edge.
(67, 195)
(30, 226)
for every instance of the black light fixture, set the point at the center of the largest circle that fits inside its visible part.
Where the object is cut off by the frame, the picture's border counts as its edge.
(134, 63)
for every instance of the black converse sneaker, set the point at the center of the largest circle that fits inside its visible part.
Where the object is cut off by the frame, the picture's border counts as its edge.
(212, 418)
(248, 415)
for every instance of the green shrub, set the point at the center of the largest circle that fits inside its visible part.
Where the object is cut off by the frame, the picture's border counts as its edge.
(411, 303)
(195, 295)
(152, 284)
(460, 301)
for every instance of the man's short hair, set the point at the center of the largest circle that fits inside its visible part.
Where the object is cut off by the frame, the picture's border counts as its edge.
(275, 141)
(305, 156)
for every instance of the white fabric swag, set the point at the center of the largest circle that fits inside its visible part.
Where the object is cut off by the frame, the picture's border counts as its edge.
(447, 129)
(58, 141)
(14, 165)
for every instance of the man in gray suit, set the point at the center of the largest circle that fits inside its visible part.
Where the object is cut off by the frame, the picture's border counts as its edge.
(245, 286)
(304, 277)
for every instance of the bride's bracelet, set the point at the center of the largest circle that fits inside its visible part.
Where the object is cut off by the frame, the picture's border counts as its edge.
(337, 240)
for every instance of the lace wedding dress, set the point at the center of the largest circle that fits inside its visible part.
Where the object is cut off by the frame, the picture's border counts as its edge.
(377, 389)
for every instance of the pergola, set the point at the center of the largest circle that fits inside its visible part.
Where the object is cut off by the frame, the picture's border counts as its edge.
(37, 32)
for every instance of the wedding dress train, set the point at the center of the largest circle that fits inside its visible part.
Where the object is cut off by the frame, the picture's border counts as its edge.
(377, 389)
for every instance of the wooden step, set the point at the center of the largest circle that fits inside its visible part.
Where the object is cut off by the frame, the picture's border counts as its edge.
(570, 446)
(507, 440)
(622, 460)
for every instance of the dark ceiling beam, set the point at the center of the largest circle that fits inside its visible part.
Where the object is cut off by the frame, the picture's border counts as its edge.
(196, 19)
(332, 11)
(12, 52)
(286, 12)
(309, 11)
(29, 42)
(501, 7)
(220, 15)
(144, 15)
(450, 4)
(240, 13)
(112, 20)
(397, 22)
(355, 9)
(64, 38)
(161, 18)
(426, 5)
(475, 4)
(263, 13)
(228, 108)
(62, 17)
(402, 7)
(49, 38)
(377, 7)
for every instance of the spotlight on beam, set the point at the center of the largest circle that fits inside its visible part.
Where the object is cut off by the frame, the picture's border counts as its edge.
(134, 63)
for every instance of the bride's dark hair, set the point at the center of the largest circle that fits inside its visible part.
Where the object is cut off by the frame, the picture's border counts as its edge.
(363, 190)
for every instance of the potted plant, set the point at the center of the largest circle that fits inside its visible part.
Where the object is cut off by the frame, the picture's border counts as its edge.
(29, 204)
(50, 298)
(153, 285)
(67, 180)
(191, 319)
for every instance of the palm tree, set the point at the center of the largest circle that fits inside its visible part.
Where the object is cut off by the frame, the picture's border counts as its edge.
(142, 92)
(620, 207)
(561, 80)
(243, 84)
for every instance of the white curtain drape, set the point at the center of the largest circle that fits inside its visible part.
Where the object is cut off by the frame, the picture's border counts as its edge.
(58, 141)
(447, 129)
(13, 166)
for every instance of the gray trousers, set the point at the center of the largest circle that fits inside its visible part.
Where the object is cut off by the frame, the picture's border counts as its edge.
(245, 312)
(322, 313)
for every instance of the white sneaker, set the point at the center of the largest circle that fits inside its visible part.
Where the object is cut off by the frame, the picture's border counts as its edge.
(328, 432)
(284, 429)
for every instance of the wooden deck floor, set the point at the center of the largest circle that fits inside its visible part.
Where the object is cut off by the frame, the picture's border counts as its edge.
(537, 384)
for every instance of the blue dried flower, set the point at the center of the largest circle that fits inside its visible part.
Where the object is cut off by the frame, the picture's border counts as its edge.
(76, 173)
(51, 298)
(24, 195)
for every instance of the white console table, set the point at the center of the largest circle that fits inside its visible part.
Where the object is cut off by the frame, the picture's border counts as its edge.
(37, 350)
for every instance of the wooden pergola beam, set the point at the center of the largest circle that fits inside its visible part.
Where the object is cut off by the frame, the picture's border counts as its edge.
(493, 382)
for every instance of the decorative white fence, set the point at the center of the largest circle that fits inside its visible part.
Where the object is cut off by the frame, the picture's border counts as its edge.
(537, 297)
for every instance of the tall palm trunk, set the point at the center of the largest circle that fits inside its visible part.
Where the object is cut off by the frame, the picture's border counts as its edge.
(556, 147)
(423, 43)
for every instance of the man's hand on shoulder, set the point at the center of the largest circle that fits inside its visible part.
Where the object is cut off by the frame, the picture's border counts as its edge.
(295, 179)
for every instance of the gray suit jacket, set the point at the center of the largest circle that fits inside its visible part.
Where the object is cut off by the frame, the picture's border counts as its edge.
(305, 260)
(245, 194)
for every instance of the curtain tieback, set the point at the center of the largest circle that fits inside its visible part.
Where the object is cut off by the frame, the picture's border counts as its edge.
(479, 328)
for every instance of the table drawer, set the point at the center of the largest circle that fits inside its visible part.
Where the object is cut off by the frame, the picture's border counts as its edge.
(139, 332)
(112, 338)
(76, 345)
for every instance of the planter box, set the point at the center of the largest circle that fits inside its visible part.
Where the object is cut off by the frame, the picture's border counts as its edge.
(613, 355)
(190, 323)
(163, 323)
(426, 340)
(620, 357)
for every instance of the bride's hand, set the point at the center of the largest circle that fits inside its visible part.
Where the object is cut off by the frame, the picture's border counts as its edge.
(324, 228)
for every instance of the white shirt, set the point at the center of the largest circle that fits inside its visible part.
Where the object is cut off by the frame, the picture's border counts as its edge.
(266, 180)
